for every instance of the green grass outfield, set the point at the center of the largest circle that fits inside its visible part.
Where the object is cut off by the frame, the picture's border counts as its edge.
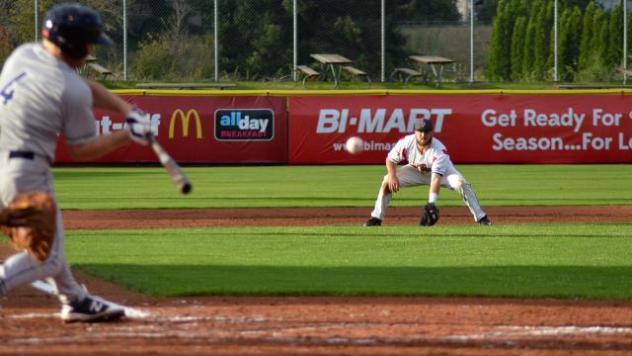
(523, 260)
(336, 186)
(568, 261)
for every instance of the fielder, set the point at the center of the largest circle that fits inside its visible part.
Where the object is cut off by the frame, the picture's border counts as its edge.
(420, 159)
(41, 97)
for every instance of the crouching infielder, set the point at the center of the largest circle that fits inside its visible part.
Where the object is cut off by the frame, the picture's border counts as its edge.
(420, 159)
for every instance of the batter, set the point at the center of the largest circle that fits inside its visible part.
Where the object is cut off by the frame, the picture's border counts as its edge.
(41, 97)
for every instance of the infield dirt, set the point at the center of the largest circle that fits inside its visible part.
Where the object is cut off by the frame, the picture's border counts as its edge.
(320, 325)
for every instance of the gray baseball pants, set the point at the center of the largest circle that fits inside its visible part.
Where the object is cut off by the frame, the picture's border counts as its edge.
(22, 175)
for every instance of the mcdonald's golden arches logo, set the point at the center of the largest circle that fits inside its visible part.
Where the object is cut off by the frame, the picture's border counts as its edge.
(185, 118)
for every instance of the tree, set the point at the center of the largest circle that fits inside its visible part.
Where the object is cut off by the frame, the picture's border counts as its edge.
(518, 47)
(499, 65)
(529, 54)
(428, 11)
(569, 40)
(582, 4)
(541, 41)
(8, 12)
(575, 38)
(599, 43)
(629, 36)
(255, 38)
(486, 11)
(587, 34)
(589, 42)
(175, 52)
(260, 35)
(614, 51)
(17, 19)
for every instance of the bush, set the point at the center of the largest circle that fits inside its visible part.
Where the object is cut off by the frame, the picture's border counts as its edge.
(189, 58)
(596, 72)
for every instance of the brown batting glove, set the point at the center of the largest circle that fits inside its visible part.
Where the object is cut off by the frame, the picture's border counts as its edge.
(30, 222)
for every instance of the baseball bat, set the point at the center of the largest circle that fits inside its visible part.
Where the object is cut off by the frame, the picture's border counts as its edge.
(175, 172)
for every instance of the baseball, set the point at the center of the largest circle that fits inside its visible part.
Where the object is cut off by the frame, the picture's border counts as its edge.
(354, 145)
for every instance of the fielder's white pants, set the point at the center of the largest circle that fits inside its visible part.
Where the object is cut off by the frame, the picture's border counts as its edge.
(18, 176)
(409, 176)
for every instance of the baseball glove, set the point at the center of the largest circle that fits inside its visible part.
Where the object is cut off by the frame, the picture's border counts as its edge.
(29, 221)
(430, 216)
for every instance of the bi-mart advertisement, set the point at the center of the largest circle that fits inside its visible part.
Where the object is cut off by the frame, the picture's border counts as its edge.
(203, 129)
(476, 128)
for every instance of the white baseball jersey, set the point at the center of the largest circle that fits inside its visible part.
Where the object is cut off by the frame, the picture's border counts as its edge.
(41, 97)
(436, 157)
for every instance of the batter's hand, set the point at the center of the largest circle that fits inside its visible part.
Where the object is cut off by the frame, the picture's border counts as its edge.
(138, 126)
(393, 184)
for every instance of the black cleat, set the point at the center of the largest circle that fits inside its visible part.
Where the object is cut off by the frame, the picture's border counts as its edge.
(373, 222)
(91, 309)
(485, 221)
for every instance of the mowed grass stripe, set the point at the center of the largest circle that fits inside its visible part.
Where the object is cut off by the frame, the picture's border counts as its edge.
(567, 261)
(335, 186)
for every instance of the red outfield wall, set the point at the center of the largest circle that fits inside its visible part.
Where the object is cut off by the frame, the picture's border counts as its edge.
(475, 128)
(204, 129)
(309, 129)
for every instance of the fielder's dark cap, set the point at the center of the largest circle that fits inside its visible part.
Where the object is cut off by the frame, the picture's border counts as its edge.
(72, 27)
(423, 125)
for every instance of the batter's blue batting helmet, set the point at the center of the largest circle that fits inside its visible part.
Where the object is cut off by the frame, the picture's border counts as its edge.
(72, 27)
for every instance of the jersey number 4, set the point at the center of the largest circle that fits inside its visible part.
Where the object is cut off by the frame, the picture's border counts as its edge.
(7, 90)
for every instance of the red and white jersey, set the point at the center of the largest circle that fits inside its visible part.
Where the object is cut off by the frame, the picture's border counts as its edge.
(435, 158)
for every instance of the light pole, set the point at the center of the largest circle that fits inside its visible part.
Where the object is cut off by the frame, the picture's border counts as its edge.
(294, 40)
(215, 41)
(36, 12)
(471, 41)
(124, 39)
(383, 40)
(625, 40)
(555, 73)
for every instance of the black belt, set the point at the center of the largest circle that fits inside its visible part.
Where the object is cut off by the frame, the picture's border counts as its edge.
(22, 154)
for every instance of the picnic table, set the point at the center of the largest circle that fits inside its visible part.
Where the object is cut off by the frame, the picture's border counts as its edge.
(435, 63)
(333, 62)
(91, 63)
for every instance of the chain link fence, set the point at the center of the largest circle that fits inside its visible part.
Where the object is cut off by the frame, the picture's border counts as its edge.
(264, 40)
